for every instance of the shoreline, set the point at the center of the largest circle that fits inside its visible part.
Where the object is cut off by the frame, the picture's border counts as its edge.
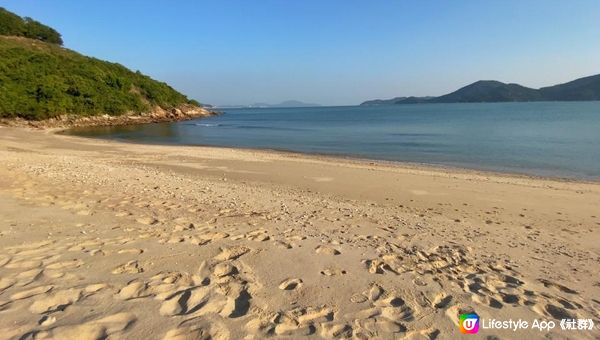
(168, 241)
(66, 122)
(442, 168)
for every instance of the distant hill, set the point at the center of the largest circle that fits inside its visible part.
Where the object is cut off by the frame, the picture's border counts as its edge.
(489, 91)
(587, 88)
(397, 100)
(414, 100)
(383, 101)
(39, 79)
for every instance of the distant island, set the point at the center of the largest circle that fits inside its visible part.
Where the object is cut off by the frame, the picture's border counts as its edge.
(42, 80)
(490, 91)
(286, 103)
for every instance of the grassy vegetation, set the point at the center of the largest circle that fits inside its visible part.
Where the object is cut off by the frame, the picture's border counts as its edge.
(40, 80)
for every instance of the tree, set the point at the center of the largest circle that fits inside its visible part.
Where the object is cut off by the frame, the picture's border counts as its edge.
(10, 23)
(36, 30)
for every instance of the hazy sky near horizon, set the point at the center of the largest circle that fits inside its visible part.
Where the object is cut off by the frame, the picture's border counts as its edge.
(337, 52)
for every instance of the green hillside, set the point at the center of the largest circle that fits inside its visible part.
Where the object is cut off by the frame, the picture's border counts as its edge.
(13, 25)
(39, 79)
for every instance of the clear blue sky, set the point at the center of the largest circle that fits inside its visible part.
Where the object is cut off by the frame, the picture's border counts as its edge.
(331, 52)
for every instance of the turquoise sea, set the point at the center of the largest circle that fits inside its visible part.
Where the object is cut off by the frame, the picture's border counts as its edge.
(557, 139)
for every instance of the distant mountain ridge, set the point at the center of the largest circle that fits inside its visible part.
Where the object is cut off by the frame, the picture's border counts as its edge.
(490, 91)
(397, 100)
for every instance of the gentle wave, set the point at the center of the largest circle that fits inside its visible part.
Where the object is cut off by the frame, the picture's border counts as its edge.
(205, 125)
(236, 126)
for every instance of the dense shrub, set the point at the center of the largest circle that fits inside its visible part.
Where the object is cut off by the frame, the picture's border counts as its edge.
(13, 25)
(39, 79)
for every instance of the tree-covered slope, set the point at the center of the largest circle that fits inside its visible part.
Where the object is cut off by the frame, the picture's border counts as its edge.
(40, 80)
(13, 25)
(587, 88)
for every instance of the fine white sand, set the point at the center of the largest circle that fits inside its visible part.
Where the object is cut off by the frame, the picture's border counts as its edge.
(105, 239)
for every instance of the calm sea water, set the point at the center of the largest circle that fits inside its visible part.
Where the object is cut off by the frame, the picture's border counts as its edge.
(547, 139)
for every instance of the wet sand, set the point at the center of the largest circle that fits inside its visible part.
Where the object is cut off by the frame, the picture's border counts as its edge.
(101, 238)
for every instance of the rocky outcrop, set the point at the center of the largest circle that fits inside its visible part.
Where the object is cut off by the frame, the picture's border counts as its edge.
(183, 112)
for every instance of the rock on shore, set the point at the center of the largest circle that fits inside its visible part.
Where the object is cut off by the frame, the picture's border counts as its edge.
(183, 112)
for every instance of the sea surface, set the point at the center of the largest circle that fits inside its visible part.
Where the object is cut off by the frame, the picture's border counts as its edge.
(556, 139)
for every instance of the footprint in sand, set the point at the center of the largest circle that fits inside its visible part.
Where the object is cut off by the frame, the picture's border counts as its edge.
(198, 328)
(134, 289)
(187, 301)
(65, 265)
(24, 265)
(282, 245)
(290, 284)
(86, 245)
(333, 272)
(327, 250)
(427, 334)
(384, 318)
(56, 301)
(441, 300)
(293, 238)
(107, 327)
(31, 292)
(196, 241)
(559, 313)
(231, 253)
(27, 277)
(550, 284)
(258, 235)
(134, 251)
(359, 298)
(131, 267)
(224, 269)
(375, 266)
(97, 252)
(206, 237)
(30, 246)
(336, 331)
(95, 287)
(294, 323)
(372, 294)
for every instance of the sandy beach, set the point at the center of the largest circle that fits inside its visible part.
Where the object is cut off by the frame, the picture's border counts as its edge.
(107, 239)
